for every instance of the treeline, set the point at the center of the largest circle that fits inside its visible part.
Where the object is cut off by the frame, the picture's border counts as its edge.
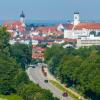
(77, 68)
(13, 78)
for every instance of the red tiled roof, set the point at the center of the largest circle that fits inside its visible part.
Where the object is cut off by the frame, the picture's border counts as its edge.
(33, 46)
(37, 55)
(58, 39)
(66, 40)
(38, 49)
(50, 43)
(10, 25)
(38, 38)
(52, 29)
(80, 26)
(17, 23)
(70, 40)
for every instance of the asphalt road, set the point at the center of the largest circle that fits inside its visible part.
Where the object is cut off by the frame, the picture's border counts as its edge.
(36, 75)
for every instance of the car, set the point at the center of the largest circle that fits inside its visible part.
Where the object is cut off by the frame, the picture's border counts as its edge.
(65, 94)
(46, 81)
(33, 66)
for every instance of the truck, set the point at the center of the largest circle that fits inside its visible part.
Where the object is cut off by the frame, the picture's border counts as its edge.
(44, 71)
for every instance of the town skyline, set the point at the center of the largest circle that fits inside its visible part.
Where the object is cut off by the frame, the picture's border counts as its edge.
(49, 50)
(49, 10)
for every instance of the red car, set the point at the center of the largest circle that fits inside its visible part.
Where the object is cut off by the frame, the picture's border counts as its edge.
(65, 94)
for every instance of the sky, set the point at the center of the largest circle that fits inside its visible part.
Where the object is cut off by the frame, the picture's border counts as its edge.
(50, 9)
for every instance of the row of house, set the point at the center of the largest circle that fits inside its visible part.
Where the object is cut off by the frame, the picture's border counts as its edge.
(75, 30)
(83, 34)
(37, 52)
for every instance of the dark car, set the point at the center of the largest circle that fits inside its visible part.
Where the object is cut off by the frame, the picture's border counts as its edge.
(33, 66)
(65, 94)
(46, 81)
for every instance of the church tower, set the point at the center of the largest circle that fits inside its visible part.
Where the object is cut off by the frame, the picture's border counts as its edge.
(22, 18)
(76, 18)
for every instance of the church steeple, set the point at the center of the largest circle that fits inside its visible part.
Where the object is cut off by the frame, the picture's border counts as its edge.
(22, 14)
(22, 18)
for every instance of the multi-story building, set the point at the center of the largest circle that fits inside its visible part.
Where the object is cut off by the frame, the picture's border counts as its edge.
(88, 41)
(78, 29)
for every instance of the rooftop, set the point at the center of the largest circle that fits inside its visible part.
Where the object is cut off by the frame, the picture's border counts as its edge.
(81, 26)
(22, 14)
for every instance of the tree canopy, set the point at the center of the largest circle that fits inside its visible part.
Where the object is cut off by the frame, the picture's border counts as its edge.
(77, 68)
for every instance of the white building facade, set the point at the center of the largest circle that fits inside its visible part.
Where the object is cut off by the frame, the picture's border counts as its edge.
(88, 41)
(76, 29)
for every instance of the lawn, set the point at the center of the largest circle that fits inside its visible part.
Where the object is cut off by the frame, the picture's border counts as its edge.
(63, 89)
(10, 97)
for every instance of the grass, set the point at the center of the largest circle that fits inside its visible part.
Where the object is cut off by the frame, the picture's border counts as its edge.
(63, 89)
(10, 97)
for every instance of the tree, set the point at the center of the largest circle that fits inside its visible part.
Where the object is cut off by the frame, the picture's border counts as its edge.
(8, 72)
(22, 53)
(4, 41)
(34, 92)
(21, 78)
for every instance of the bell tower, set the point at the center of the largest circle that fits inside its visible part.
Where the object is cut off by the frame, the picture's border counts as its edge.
(22, 17)
(76, 18)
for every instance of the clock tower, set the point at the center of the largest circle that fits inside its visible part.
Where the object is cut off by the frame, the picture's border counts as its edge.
(76, 18)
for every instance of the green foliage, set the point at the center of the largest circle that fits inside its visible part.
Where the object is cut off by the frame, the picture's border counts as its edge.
(21, 78)
(10, 97)
(78, 68)
(42, 45)
(35, 61)
(4, 38)
(22, 53)
(50, 52)
(34, 92)
(4, 41)
(8, 71)
(12, 78)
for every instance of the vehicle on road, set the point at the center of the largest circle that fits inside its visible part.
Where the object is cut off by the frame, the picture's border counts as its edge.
(65, 94)
(33, 66)
(44, 71)
(46, 81)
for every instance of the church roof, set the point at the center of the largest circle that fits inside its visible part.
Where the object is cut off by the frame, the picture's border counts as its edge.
(81, 26)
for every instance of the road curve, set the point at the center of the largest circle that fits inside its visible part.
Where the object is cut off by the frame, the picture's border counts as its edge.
(35, 75)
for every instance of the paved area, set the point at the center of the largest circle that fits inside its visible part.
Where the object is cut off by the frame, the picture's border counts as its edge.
(36, 75)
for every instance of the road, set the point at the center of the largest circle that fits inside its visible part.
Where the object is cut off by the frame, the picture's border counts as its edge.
(36, 75)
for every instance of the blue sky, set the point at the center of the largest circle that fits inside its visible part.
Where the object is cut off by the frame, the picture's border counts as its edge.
(50, 9)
